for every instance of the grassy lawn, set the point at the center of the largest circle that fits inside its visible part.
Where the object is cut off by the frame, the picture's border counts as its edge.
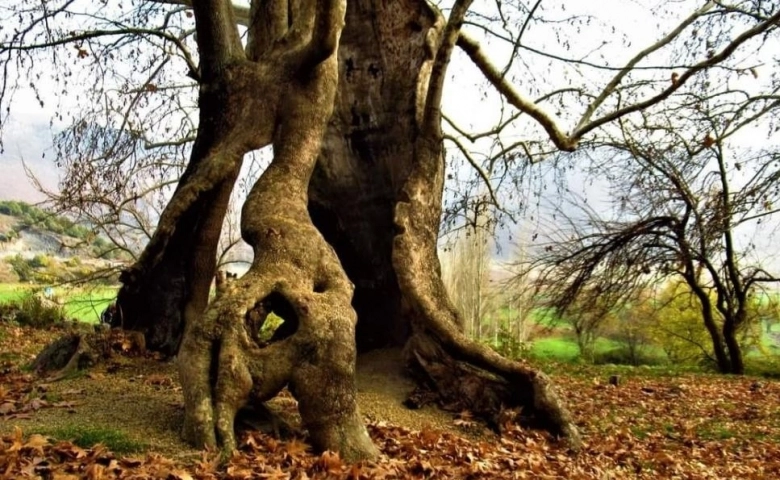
(86, 305)
(82, 303)
(562, 349)
(12, 291)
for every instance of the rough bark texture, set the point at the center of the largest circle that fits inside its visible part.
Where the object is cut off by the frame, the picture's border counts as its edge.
(154, 293)
(374, 166)
(376, 197)
(368, 153)
(295, 274)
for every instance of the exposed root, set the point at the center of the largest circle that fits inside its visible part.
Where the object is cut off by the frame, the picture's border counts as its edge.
(503, 392)
(79, 351)
(223, 368)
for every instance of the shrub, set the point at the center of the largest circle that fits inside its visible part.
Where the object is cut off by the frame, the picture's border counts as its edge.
(508, 345)
(627, 356)
(768, 366)
(23, 270)
(10, 208)
(37, 312)
(39, 261)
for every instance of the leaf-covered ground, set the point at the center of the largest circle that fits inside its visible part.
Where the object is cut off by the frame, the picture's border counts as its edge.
(652, 425)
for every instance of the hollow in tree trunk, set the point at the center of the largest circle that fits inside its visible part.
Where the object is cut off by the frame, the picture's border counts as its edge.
(295, 273)
(376, 197)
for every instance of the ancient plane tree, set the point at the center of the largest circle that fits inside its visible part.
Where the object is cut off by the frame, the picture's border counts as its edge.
(344, 222)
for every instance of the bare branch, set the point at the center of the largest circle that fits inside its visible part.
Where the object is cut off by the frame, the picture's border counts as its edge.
(725, 53)
(525, 105)
(610, 87)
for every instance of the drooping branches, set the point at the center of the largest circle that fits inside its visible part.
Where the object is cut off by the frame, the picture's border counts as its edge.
(678, 212)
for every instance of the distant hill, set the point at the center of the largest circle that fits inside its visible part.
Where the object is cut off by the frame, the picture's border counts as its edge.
(36, 245)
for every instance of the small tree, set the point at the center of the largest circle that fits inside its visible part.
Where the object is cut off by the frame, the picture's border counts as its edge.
(678, 207)
(677, 325)
(466, 268)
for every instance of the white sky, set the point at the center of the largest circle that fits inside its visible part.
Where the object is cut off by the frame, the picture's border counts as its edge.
(28, 135)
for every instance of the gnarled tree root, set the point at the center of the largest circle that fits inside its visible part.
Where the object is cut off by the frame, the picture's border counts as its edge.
(81, 350)
(224, 367)
(497, 390)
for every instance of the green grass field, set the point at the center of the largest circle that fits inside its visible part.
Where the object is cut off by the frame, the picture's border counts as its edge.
(82, 303)
(11, 291)
(563, 349)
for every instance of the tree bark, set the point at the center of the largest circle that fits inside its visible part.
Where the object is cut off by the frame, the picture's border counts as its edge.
(368, 153)
(736, 362)
(376, 197)
(708, 314)
(222, 364)
(155, 294)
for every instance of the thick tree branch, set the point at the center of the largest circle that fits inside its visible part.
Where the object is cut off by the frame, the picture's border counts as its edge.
(328, 22)
(269, 23)
(528, 106)
(431, 123)
(241, 13)
(218, 42)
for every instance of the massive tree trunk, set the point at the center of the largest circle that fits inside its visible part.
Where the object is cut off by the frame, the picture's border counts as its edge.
(368, 153)
(376, 197)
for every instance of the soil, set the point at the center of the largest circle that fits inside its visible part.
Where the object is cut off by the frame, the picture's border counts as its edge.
(141, 397)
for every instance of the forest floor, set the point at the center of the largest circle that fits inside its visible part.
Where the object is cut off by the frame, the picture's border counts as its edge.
(655, 424)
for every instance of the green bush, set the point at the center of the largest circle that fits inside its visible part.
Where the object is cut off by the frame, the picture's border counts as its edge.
(10, 208)
(23, 269)
(34, 311)
(768, 366)
(39, 261)
(624, 356)
(508, 345)
(9, 236)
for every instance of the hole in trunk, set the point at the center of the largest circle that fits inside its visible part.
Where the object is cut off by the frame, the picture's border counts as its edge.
(272, 319)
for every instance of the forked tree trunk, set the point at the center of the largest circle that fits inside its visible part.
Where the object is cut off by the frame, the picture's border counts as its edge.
(223, 365)
(376, 197)
(736, 362)
(708, 315)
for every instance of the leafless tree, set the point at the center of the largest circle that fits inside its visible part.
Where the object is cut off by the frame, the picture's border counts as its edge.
(466, 266)
(690, 202)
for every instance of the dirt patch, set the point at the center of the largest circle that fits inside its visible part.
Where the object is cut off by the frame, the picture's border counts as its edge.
(141, 397)
(383, 387)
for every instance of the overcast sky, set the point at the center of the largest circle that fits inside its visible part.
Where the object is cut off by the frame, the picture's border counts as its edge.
(28, 136)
